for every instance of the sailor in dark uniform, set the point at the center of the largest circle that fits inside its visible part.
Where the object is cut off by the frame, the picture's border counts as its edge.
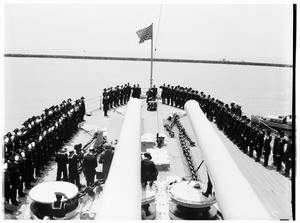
(139, 91)
(110, 97)
(73, 168)
(148, 170)
(267, 147)
(14, 179)
(128, 92)
(62, 160)
(253, 137)
(163, 93)
(89, 167)
(105, 105)
(171, 94)
(167, 90)
(288, 157)
(275, 148)
(280, 152)
(259, 145)
(106, 158)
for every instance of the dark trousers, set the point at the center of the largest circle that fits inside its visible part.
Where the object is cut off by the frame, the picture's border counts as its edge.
(288, 165)
(278, 162)
(62, 170)
(74, 179)
(266, 159)
(90, 178)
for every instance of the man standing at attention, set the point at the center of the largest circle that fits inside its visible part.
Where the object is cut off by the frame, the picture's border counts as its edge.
(89, 167)
(62, 159)
(73, 169)
(106, 158)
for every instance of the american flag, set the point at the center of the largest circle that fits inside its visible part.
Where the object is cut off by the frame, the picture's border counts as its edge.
(145, 34)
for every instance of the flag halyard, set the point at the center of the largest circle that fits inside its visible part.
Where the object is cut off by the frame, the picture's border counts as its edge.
(145, 34)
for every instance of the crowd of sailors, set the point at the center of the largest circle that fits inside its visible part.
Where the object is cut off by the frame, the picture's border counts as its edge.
(29, 150)
(119, 95)
(248, 136)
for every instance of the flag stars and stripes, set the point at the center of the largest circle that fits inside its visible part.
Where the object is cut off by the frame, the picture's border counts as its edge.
(145, 34)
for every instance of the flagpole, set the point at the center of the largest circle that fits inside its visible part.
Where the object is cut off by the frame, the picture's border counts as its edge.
(151, 79)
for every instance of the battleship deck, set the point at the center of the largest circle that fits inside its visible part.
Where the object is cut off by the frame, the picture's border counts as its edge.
(272, 188)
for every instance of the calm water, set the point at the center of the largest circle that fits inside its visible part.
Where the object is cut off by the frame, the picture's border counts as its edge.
(32, 84)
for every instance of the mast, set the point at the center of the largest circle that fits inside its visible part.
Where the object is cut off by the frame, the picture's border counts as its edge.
(151, 68)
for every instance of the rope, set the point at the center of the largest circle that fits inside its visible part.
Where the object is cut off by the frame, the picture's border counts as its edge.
(157, 31)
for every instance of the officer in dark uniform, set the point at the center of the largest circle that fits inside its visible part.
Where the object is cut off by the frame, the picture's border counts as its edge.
(73, 160)
(62, 160)
(267, 147)
(89, 167)
(106, 158)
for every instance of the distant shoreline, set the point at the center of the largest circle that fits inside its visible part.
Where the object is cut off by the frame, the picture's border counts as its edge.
(148, 59)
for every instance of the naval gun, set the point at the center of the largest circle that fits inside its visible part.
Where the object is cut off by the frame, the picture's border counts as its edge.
(235, 196)
(122, 191)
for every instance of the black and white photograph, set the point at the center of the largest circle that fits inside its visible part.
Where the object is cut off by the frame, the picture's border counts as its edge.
(149, 111)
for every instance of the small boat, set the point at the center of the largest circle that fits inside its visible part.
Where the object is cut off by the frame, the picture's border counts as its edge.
(283, 123)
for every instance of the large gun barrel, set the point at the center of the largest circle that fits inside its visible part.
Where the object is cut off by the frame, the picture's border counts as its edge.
(235, 196)
(122, 190)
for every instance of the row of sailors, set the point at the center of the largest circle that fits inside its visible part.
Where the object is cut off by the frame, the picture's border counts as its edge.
(114, 97)
(177, 96)
(236, 126)
(249, 138)
(29, 150)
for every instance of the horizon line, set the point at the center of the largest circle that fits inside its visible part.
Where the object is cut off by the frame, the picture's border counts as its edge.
(148, 59)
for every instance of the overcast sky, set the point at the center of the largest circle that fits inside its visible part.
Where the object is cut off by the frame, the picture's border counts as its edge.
(258, 33)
